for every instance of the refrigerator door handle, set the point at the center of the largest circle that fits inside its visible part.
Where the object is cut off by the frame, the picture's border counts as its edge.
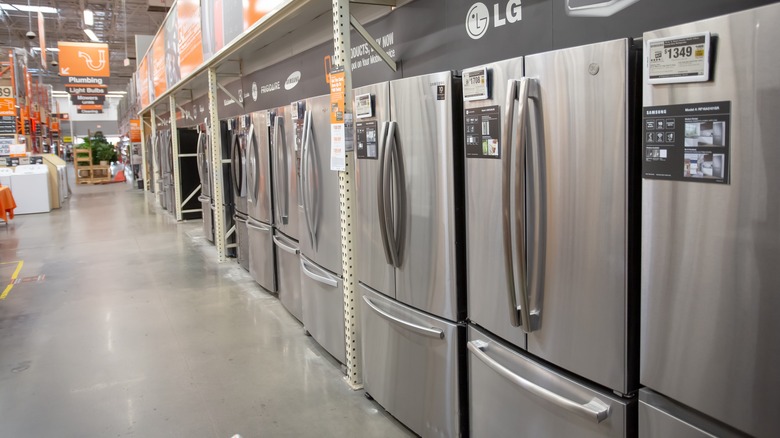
(233, 165)
(305, 267)
(381, 193)
(251, 154)
(284, 247)
(538, 210)
(281, 174)
(399, 231)
(595, 410)
(251, 223)
(506, 212)
(199, 156)
(203, 198)
(307, 195)
(432, 332)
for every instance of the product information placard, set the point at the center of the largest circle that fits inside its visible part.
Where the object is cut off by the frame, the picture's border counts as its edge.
(7, 125)
(364, 107)
(483, 132)
(679, 59)
(688, 142)
(367, 140)
(475, 84)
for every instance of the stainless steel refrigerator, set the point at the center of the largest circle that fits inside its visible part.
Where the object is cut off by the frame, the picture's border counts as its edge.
(238, 127)
(320, 231)
(204, 171)
(262, 257)
(411, 248)
(285, 170)
(552, 229)
(710, 338)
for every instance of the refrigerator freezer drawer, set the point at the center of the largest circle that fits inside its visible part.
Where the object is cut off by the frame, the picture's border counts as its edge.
(208, 220)
(322, 294)
(512, 395)
(659, 417)
(289, 266)
(262, 266)
(243, 242)
(411, 365)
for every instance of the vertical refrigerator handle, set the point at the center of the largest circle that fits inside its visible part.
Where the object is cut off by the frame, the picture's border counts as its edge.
(381, 193)
(305, 180)
(282, 201)
(515, 246)
(252, 156)
(397, 175)
(199, 156)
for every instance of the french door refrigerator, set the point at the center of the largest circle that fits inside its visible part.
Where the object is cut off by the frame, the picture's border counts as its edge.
(228, 193)
(552, 208)
(239, 126)
(411, 248)
(262, 257)
(320, 231)
(285, 169)
(710, 338)
(204, 172)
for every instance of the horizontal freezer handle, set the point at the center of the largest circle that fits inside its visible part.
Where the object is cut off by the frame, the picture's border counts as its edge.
(427, 331)
(257, 226)
(317, 277)
(202, 198)
(284, 247)
(595, 410)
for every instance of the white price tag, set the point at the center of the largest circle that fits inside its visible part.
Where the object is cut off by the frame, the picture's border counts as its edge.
(678, 59)
(363, 107)
(338, 156)
(475, 84)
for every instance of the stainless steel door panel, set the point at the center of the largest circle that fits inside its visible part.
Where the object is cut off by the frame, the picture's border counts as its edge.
(577, 238)
(513, 395)
(426, 278)
(660, 417)
(487, 290)
(371, 264)
(262, 257)
(259, 170)
(208, 219)
(289, 276)
(242, 237)
(323, 307)
(411, 365)
(709, 252)
(321, 185)
(285, 167)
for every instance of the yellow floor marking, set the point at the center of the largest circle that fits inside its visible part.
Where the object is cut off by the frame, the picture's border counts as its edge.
(13, 278)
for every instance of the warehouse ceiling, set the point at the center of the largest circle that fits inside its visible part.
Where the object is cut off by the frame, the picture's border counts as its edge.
(65, 23)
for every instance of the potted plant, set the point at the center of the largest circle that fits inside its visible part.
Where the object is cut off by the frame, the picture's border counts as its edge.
(103, 152)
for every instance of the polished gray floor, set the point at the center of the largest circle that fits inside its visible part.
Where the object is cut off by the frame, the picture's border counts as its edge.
(137, 331)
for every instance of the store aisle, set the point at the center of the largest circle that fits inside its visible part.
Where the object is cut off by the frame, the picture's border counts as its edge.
(136, 331)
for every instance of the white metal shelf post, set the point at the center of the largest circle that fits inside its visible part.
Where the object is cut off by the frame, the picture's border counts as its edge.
(216, 159)
(155, 164)
(175, 150)
(341, 48)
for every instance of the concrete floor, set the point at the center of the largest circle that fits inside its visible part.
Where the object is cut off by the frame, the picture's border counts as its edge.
(137, 331)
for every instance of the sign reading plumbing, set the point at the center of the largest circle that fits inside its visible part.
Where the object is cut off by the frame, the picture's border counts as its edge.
(84, 59)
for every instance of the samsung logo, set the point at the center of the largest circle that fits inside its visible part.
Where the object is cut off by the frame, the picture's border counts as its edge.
(292, 80)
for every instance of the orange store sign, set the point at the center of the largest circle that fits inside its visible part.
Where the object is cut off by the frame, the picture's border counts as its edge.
(254, 10)
(7, 106)
(189, 34)
(84, 59)
(158, 65)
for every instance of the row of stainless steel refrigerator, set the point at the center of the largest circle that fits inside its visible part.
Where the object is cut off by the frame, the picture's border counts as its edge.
(521, 272)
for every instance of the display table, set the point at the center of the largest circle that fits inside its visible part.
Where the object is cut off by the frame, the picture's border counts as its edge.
(7, 204)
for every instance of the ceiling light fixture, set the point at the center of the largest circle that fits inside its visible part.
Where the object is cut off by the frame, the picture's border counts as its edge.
(126, 61)
(92, 36)
(89, 17)
(28, 8)
(117, 92)
(30, 35)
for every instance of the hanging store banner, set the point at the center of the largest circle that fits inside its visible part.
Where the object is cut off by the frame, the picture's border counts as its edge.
(143, 82)
(232, 20)
(42, 38)
(84, 59)
(86, 89)
(135, 131)
(254, 10)
(172, 74)
(208, 27)
(158, 65)
(189, 36)
(89, 109)
(87, 99)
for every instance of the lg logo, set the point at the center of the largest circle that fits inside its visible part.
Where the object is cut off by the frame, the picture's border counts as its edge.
(478, 17)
